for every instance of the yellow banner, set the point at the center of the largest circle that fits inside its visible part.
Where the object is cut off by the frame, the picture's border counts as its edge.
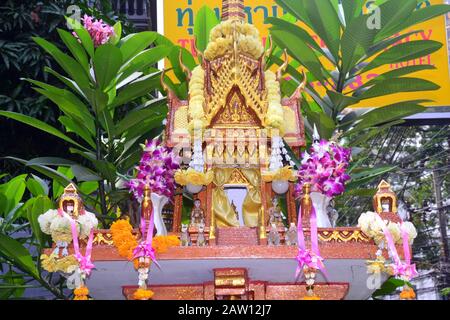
(179, 17)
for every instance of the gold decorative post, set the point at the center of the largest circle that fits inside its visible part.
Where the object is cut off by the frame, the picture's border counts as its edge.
(147, 206)
(212, 228)
(262, 225)
(306, 205)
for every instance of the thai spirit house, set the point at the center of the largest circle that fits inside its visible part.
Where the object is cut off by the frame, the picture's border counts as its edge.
(235, 115)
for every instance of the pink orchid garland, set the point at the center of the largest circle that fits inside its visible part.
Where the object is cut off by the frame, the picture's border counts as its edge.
(325, 168)
(157, 169)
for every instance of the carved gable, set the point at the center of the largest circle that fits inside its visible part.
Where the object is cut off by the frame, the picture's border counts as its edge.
(236, 112)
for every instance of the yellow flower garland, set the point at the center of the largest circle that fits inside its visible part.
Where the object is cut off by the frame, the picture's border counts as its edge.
(51, 263)
(283, 174)
(191, 176)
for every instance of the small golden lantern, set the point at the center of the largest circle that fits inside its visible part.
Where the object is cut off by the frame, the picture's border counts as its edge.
(70, 202)
(385, 200)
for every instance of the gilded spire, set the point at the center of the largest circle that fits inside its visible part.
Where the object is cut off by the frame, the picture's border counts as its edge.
(233, 10)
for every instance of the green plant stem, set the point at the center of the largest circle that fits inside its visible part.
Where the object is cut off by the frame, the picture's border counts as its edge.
(101, 185)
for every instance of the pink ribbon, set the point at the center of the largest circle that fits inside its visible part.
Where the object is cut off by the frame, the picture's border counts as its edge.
(310, 258)
(145, 248)
(85, 261)
(400, 269)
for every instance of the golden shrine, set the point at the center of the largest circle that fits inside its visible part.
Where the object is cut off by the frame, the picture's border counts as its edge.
(234, 110)
(232, 131)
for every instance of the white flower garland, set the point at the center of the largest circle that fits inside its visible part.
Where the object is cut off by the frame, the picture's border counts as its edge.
(59, 227)
(197, 119)
(221, 40)
(371, 226)
(275, 111)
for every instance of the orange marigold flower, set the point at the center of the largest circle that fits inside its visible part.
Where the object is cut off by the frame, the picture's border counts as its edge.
(82, 291)
(142, 294)
(311, 298)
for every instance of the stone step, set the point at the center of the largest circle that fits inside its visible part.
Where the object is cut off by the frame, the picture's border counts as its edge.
(242, 236)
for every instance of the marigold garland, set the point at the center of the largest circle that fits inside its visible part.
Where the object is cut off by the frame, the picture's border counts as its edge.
(123, 238)
(81, 294)
(142, 294)
(126, 242)
(407, 294)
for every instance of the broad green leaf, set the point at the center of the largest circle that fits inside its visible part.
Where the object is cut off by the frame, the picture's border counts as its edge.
(41, 205)
(387, 114)
(107, 62)
(352, 9)
(50, 161)
(205, 21)
(392, 86)
(392, 14)
(404, 52)
(282, 24)
(56, 176)
(14, 191)
(106, 169)
(35, 187)
(117, 33)
(143, 61)
(58, 188)
(83, 35)
(397, 73)
(68, 82)
(43, 184)
(137, 89)
(134, 118)
(356, 41)
(70, 65)
(68, 102)
(39, 125)
(75, 48)
(133, 44)
(325, 22)
(13, 251)
(84, 174)
(12, 285)
(88, 187)
(419, 16)
(74, 126)
(389, 287)
(301, 52)
(341, 101)
(325, 125)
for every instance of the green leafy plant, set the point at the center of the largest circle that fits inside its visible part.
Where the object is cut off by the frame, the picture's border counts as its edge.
(21, 239)
(351, 49)
(98, 83)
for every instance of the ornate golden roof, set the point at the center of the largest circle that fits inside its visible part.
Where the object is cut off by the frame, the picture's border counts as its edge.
(232, 88)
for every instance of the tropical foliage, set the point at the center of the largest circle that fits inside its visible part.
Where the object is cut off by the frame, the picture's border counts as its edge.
(96, 84)
(351, 49)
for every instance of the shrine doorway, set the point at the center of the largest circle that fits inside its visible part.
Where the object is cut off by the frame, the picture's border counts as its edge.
(236, 195)
(222, 209)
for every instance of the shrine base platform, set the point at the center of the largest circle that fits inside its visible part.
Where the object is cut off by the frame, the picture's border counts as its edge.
(188, 272)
